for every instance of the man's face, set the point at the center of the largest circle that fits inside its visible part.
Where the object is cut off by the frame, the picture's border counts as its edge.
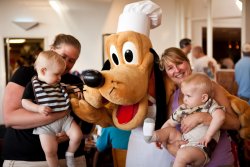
(195, 53)
(188, 49)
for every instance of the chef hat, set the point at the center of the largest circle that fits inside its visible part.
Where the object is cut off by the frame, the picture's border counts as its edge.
(140, 17)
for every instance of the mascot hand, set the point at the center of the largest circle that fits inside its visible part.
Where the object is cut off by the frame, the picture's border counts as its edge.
(90, 114)
(242, 108)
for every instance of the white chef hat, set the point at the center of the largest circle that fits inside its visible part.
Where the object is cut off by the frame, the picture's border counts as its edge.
(140, 17)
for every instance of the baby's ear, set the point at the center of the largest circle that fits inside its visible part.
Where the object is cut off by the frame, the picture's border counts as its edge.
(204, 97)
(43, 70)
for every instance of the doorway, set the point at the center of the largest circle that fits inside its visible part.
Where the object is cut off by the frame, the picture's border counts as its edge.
(20, 52)
(226, 43)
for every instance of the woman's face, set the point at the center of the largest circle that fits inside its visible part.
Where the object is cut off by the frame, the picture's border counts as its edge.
(69, 53)
(177, 72)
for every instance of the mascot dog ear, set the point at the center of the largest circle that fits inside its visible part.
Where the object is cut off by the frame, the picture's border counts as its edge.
(106, 65)
(160, 93)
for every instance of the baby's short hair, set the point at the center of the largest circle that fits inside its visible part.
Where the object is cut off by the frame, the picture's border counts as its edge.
(201, 82)
(47, 58)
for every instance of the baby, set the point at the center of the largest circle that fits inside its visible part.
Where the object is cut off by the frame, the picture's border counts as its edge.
(45, 94)
(197, 97)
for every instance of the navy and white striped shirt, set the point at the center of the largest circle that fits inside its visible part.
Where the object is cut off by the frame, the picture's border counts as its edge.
(53, 96)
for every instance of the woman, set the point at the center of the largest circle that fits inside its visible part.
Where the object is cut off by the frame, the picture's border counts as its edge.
(21, 147)
(177, 68)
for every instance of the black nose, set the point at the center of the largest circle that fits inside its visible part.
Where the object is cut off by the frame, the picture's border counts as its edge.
(92, 78)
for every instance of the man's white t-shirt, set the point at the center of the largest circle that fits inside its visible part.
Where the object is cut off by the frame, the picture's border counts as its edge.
(202, 65)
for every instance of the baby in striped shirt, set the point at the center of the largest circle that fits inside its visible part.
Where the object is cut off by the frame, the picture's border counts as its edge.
(45, 94)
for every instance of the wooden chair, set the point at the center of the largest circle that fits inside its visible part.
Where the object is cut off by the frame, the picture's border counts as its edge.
(226, 78)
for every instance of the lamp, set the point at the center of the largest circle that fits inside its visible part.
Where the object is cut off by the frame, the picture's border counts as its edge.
(26, 25)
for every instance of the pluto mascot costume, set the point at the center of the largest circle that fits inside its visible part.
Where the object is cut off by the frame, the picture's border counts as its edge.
(130, 87)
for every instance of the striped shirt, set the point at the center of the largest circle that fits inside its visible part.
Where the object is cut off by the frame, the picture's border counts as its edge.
(53, 96)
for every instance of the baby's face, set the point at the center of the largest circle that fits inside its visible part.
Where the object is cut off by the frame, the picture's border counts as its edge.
(192, 97)
(53, 74)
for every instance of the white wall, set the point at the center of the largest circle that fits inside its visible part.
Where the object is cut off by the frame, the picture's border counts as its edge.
(89, 19)
(84, 20)
(225, 14)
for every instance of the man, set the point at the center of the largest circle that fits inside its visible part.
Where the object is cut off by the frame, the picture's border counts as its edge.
(185, 45)
(242, 74)
(204, 63)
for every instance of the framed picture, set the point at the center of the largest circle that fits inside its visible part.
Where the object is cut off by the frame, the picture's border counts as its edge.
(104, 37)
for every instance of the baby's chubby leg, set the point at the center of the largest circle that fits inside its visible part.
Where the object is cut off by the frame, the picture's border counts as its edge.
(50, 145)
(167, 134)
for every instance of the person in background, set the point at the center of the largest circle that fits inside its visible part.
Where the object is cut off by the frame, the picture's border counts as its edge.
(45, 94)
(242, 74)
(202, 140)
(227, 63)
(177, 67)
(186, 45)
(204, 63)
(21, 147)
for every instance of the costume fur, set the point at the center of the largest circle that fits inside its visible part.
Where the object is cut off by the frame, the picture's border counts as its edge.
(123, 99)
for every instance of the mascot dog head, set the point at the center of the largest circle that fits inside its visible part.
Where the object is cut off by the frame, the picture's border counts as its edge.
(128, 86)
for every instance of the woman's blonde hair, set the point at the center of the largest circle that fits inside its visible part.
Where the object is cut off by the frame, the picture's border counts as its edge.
(173, 55)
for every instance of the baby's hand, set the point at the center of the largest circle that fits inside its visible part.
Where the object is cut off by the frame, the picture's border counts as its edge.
(205, 140)
(45, 110)
(79, 95)
(158, 144)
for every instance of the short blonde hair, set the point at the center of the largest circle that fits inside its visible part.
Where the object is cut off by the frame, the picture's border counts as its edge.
(49, 58)
(201, 82)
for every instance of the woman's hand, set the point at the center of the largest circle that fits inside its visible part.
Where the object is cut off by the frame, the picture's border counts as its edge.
(175, 146)
(61, 137)
(192, 120)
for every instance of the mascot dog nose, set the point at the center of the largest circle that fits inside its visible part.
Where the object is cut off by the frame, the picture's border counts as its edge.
(92, 78)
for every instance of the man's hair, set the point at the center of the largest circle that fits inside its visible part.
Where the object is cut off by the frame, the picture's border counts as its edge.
(198, 49)
(246, 49)
(185, 42)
